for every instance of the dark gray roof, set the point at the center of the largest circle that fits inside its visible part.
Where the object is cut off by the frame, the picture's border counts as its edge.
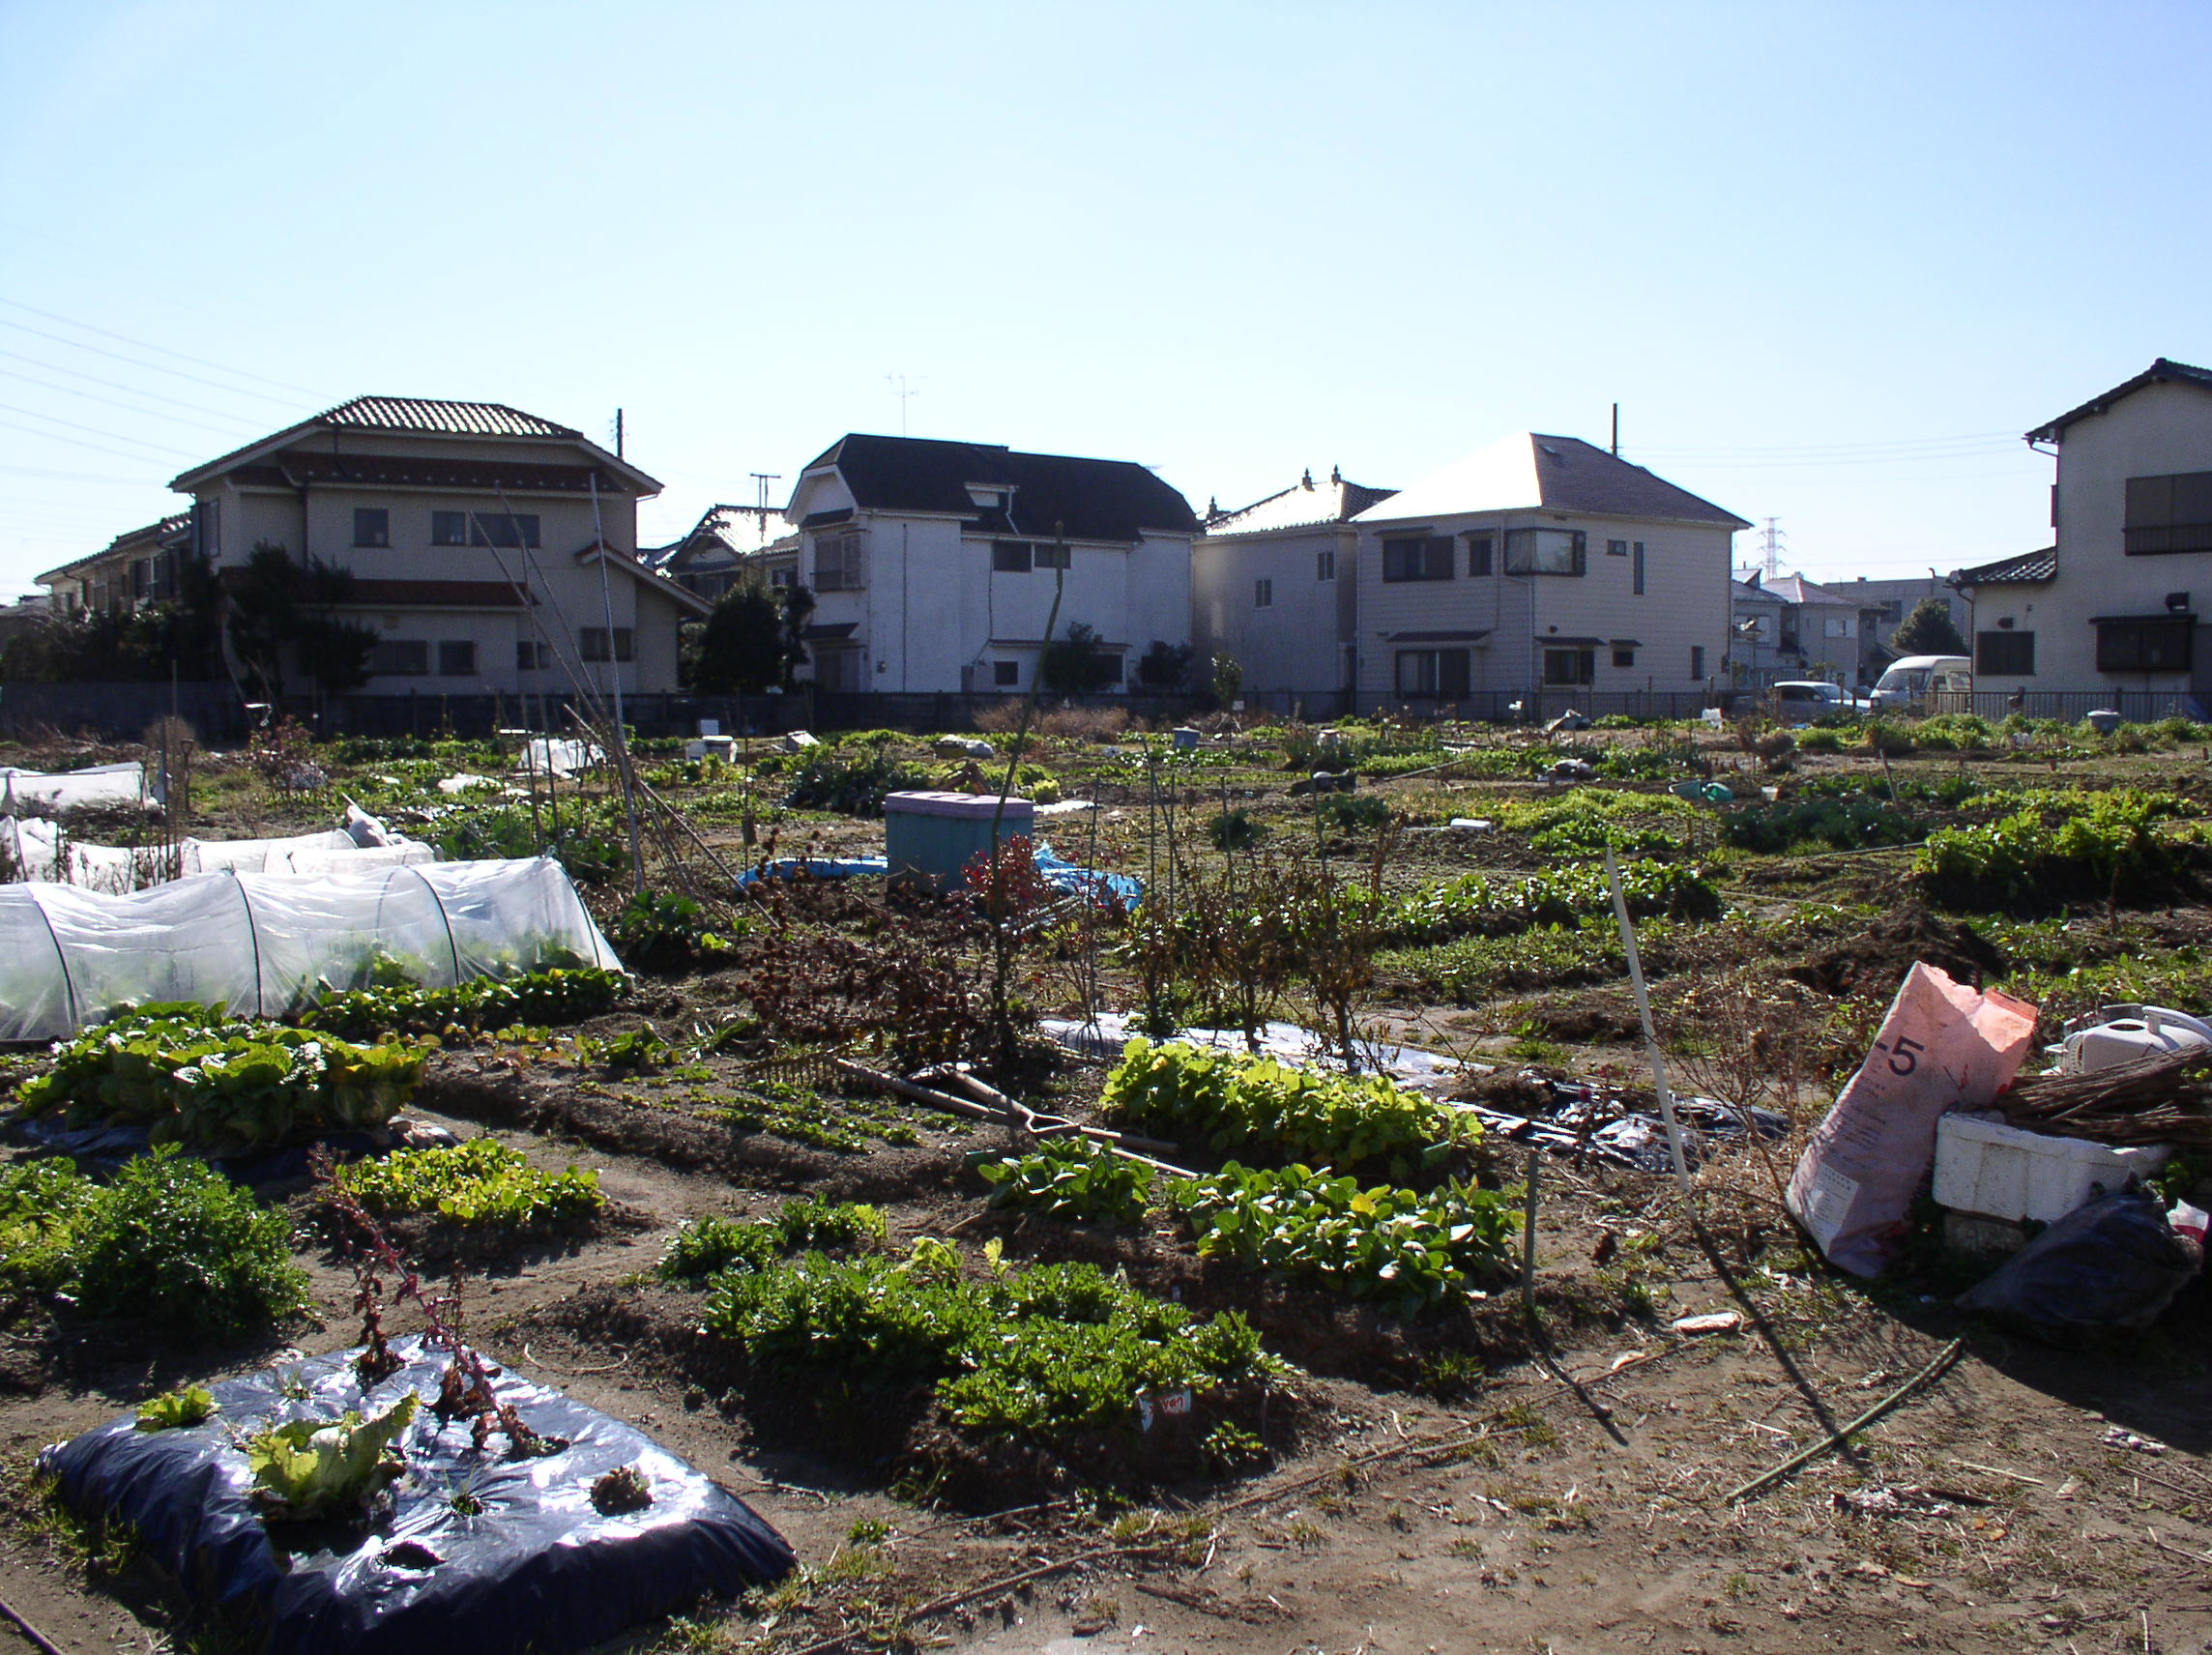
(2159, 372)
(1089, 500)
(2029, 568)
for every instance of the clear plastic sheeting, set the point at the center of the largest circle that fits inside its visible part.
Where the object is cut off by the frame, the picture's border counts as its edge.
(35, 793)
(32, 849)
(561, 756)
(271, 943)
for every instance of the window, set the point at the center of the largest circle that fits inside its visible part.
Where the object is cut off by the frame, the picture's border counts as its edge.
(2007, 655)
(529, 655)
(1616, 548)
(785, 577)
(1696, 663)
(1263, 595)
(1639, 569)
(1112, 670)
(1422, 558)
(372, 526)
(457, 657)
(1010, 557)
(1051, 555)
(592, 642)
(207, 521)
(1570, 667)
(1324, 566)
(1478, 551)
(1439, 673)
(1546, 551)
(1623, 657)
(1007, 675)
(399, 657)
(484, 529)
(2151, 644)
(2168, 514)
(840, 562)
(837, 671)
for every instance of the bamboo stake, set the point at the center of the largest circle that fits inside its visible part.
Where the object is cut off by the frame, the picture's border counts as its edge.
(1935, 1370)
(1650, 1039)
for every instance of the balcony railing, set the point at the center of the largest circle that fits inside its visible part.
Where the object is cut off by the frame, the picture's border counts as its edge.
(2158, 538)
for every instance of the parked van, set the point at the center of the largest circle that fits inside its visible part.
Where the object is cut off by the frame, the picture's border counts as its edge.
(1926, 683)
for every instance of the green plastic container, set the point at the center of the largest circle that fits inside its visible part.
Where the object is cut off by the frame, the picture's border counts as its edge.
(929, 838)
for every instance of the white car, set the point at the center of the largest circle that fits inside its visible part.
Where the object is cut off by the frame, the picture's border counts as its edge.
(1804, 700)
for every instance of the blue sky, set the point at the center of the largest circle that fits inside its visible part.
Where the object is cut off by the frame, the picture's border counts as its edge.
(1830, 261)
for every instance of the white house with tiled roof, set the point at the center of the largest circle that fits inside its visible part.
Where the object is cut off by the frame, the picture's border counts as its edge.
(474, 533)
(1274, 584)
(726, 544)
(1543, 569)
(2118, 605)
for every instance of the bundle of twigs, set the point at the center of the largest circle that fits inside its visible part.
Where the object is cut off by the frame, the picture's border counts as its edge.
(2162, 1099)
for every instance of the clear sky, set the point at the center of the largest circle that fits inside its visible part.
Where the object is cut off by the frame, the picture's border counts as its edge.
(1831, 260)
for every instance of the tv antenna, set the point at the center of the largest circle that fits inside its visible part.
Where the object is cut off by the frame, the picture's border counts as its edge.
(902, 392)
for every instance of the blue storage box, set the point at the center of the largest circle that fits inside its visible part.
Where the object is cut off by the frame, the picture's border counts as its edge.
(930, 837)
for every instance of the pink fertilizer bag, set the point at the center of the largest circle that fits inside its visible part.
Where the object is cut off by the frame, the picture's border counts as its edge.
(1943, 1046)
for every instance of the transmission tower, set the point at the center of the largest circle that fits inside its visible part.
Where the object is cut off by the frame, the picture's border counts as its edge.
(1770, 540)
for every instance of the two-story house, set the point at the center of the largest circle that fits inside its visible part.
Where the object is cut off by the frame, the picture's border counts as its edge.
(727, 543)
(490, 549)
(1274, 586)
(1541, 568)
(933, 564)
(2115, 603)
(137, 569)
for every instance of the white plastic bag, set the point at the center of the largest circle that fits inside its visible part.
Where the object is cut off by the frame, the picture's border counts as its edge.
(1943, 1046)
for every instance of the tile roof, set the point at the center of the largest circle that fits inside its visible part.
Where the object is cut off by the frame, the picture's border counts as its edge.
(1796, 589)
(1089, 500)
(2159, 372)
(1301, 505)
(425, 417)
(1562, 474)
(736, 530)
(2029, 568)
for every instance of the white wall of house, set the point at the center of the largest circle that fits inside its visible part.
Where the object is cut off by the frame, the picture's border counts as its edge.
(1293, 636)
(2159, 430)
(1674, 636)
(933, 616)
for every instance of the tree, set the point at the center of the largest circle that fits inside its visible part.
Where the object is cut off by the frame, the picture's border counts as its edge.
(752, 641)
(1928, 631)
(1227, 680)
(179, 634)
(1078, 664)
(1164, 667)
(277, 602)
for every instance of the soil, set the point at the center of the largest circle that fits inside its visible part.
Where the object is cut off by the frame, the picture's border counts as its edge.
(1468, 1479)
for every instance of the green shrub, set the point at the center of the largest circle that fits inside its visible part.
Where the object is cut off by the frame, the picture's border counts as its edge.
(1235, 831)
(565, 994)
(1258, 1105)
(174, 1243)
(850, 781)
(482, 1183)
(715, 1244)
(1386, 1243)
(1067, 1177)
(1354, 812)
(1038, 1354)
(192, 1078)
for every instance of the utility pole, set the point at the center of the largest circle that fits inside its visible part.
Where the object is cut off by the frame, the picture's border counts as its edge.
(1617, 430)
(617, 434)
(763, 478)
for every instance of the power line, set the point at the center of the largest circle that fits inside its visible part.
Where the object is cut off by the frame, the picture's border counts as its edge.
(152, 368)
(228, 433)
(75, 442)
(112, 385)
(1885, 442)
(96, 430)
(164, 349)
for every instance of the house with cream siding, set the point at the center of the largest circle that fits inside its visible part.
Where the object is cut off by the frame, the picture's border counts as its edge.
(1274, 586)
(475, 533)
(2116, 603)
(1543, 569)
(933, 564)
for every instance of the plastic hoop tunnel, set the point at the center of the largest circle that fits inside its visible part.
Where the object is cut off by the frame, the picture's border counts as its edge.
(269, 945)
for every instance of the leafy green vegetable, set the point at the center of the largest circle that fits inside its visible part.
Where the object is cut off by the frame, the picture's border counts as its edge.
(43, 1205)
(1382, 1243)
(171, 1411)
(313, 1467)
(561, 995)
(480, 1182)
(173, 1242)
(1480, 903)
(713, 1244)
(1259, 1107)
(222, 1086)
(1070, 1177)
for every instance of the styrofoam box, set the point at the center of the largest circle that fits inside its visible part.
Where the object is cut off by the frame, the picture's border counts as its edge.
(1984, 1166)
